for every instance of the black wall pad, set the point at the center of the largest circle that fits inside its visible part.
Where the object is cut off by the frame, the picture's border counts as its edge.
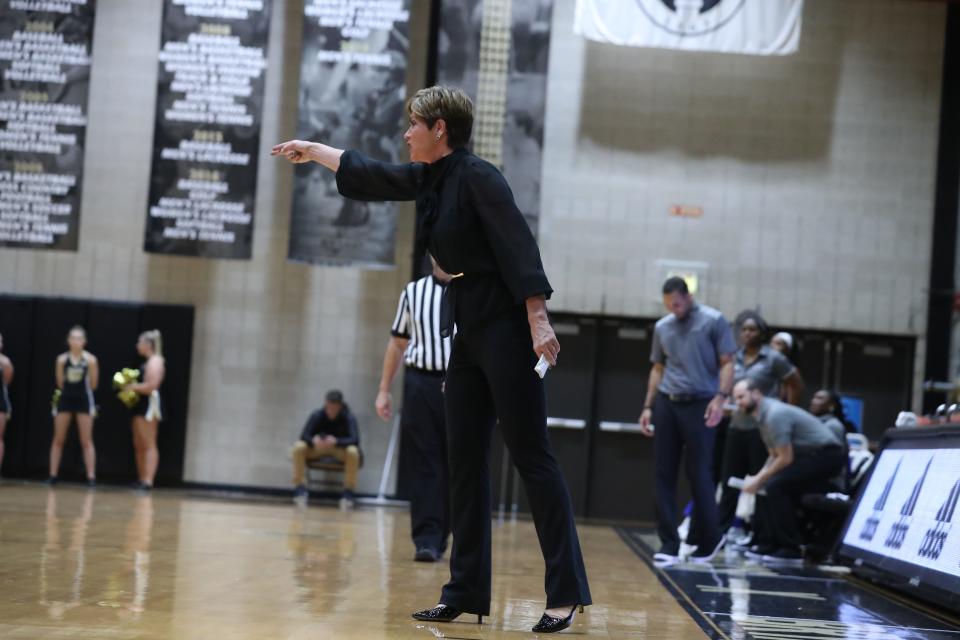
(16, 326)
(35, 328)
(112, 332)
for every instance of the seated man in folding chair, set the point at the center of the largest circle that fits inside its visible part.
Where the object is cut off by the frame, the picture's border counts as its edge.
(330, 432)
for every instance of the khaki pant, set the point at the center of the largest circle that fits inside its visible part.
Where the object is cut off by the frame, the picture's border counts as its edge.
(302, 452)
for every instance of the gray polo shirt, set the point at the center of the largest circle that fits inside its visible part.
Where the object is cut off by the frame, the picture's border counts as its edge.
(690, 351)
(833, 423)
(768, 369)
(782, 424)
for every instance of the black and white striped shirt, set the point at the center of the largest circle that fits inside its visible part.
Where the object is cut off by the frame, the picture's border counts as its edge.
(418, 319)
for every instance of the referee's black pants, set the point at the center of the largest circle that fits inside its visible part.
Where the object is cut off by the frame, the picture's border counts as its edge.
(424, 424)
(491, 377)
(680, 431)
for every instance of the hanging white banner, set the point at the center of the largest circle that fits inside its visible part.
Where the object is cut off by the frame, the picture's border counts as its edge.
(759, 27)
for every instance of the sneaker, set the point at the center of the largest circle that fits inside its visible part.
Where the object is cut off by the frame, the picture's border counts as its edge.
(667, 554)
(91, 483)
(300, 495)
(347, 499)
(784, 557)
(51, 480)
(743, 542)
(757, 551)
(734, 533)
(740, 548)
(708, 553)
(427, 554)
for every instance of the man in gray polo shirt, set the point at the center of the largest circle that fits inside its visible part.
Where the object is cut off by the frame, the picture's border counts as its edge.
(692, 356)
(804, 456)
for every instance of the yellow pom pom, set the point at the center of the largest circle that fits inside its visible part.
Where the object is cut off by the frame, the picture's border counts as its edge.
(121, 380)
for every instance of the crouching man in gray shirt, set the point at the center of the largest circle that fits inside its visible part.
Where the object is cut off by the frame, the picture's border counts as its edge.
(804, 456)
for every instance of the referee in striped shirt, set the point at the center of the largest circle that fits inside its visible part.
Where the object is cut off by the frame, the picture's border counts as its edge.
(416, 341)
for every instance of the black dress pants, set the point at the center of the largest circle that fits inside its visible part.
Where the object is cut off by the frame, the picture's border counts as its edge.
(680, 428)
(490, 377)
(808, 473)
(424, 423)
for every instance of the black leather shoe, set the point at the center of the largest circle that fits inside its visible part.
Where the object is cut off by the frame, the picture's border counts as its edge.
(427, 554)
(549, 624)
(442, 613)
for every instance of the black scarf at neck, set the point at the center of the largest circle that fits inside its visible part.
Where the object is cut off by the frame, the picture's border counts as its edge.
(427, 197)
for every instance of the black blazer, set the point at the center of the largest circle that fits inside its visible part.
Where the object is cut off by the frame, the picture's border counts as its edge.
(470, 223)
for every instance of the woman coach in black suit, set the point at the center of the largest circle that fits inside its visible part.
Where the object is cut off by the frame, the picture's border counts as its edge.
(497, 298)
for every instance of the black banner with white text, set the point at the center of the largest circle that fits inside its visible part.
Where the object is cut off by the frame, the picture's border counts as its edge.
(45, 48)
(213, 59)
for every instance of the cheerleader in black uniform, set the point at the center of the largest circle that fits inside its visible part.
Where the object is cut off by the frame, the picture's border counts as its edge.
(6, 377)
(147, 414)
(77, 373)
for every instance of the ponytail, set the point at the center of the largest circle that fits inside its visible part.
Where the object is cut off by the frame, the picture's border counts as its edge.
(156, 341)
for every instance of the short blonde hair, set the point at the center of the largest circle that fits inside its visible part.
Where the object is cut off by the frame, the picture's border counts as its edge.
(450, 104)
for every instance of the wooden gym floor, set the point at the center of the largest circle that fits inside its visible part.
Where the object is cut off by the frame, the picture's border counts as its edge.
(115, 564)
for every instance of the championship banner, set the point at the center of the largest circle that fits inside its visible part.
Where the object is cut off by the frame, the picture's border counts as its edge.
(44, 82)
(206, 140)
(352, 96)
(759, 27)
(505, 72)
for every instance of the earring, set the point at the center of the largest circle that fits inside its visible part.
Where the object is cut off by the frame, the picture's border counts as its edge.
(438, 136)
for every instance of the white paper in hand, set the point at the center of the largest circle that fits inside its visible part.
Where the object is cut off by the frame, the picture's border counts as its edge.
(542, 366)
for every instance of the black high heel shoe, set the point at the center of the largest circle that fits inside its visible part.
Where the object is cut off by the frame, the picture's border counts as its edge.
(549, 624)
(442, 613)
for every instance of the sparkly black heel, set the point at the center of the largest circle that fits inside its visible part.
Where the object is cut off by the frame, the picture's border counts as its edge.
(442, 613)
(549, 624)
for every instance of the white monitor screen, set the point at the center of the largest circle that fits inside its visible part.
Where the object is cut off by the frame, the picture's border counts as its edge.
(905, 521)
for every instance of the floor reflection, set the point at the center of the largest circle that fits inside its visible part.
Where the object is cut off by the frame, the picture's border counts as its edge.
(118, 576)
(321, 567)
(136, 555)
(63, 557)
